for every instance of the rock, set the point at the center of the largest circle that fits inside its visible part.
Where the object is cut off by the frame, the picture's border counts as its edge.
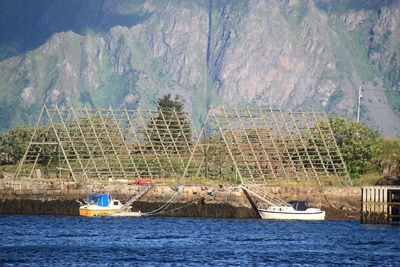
(28, 96)
(389, 166)
(291, 54)
(389, 180)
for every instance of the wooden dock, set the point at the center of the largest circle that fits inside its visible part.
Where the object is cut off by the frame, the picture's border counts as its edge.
(380, 205)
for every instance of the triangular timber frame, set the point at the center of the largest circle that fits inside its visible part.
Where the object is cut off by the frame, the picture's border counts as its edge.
(274, 147)
(259, 146)
(108, 144)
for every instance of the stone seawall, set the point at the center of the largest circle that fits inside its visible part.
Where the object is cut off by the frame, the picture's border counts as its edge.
(206, 201)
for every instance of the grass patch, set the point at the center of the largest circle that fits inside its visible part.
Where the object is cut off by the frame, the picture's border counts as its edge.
(363, 180)
(7, 170)
(195, 181)
(390, 151)
(367, 179)
(390, 148)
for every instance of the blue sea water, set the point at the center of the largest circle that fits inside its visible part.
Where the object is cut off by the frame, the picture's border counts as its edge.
(155, 241)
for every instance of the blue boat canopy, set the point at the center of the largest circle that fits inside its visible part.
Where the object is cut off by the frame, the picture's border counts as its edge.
(99, 199)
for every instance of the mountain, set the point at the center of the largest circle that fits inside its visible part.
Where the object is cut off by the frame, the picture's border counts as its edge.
(298, 54)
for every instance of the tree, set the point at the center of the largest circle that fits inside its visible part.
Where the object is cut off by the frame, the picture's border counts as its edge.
(15, 142)
(358, 144)
(170, 130)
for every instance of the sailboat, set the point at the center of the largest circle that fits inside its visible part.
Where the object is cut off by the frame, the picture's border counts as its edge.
(278, 209)
(293, 210)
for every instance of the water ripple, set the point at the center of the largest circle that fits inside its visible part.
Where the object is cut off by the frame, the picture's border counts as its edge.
(77, 241)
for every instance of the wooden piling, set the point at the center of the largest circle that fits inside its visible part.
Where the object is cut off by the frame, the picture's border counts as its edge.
(380, 204)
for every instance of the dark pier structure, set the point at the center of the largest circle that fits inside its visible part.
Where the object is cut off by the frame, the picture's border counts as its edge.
(380, 205)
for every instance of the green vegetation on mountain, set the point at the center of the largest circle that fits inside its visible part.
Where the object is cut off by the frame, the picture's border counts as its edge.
(392, 81)
(126, 54)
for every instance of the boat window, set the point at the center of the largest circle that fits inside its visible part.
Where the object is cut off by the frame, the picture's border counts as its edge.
(94, 200)
(115, 202)
(100, 200)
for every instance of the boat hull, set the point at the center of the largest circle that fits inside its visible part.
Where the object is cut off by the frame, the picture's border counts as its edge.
(126, 214)
(96, 212)
(101, 205)
(295, 215)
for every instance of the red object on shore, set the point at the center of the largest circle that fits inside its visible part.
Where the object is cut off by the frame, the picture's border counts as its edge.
(143, 181)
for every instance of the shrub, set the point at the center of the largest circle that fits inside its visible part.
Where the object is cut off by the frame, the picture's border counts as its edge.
(359, 145)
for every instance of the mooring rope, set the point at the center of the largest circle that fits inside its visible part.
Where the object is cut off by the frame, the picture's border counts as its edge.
(166, 205)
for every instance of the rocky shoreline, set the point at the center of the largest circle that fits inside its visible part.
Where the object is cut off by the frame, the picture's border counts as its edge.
(34, 198)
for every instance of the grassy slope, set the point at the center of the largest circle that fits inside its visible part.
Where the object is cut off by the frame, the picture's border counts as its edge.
(391, 151)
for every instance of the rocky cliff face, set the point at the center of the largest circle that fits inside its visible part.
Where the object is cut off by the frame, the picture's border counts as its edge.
(290, 54)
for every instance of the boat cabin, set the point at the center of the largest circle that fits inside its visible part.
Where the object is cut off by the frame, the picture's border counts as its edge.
(100, 205)
(102, 200)
(299, 205)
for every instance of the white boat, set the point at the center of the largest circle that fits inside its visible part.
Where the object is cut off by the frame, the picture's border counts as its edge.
(294, 210)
